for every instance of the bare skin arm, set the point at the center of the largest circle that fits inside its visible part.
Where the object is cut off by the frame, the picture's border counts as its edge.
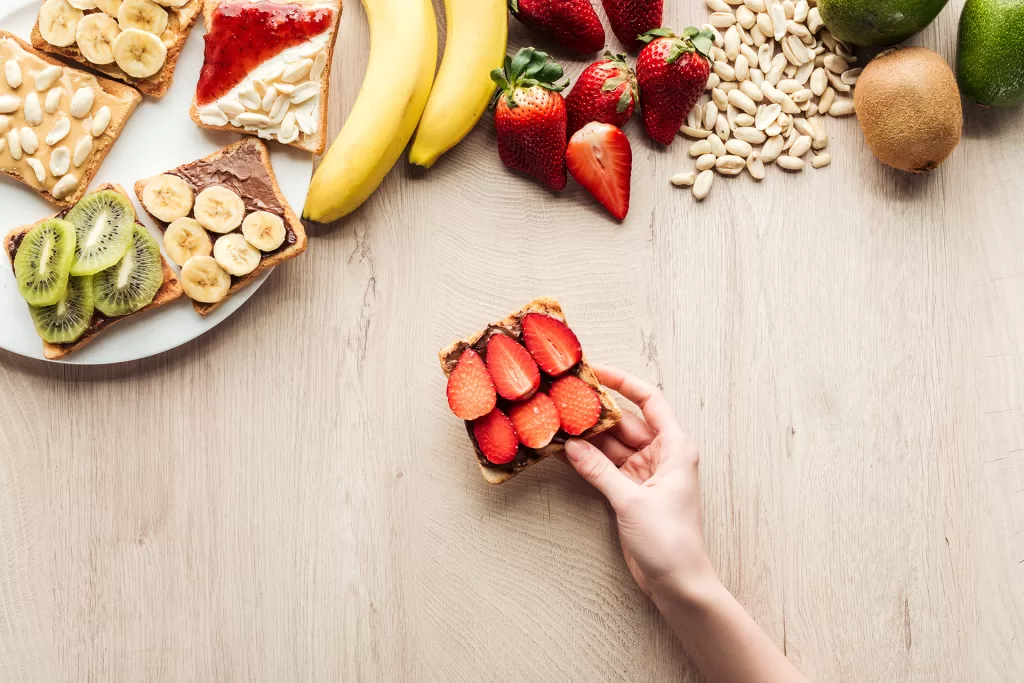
(647, 468)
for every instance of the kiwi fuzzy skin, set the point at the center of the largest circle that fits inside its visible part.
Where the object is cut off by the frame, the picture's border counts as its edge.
(908, 106)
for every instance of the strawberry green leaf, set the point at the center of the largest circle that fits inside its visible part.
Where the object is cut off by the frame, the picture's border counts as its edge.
(528, 68)
(656, 33)
(702, 42)
(549, 73)
(624, 100)
(513, 6)
(613, 83)
(498, 76)
(519, 62)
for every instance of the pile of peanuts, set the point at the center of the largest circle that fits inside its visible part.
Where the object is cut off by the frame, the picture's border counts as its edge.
(776, 73)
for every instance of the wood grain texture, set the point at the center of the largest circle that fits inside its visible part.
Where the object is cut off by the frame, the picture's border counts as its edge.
(288, 498)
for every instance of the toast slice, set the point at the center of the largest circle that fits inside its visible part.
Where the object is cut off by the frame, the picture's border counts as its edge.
(310, 120)
(119, 99)
(168, 292)
(527, 457)
(244, 167)
(179, 24)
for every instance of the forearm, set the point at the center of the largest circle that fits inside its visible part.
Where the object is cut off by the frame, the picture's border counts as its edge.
(722, 639)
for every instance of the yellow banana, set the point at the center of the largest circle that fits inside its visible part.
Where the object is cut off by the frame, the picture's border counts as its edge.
(476, 44)
(400, 73)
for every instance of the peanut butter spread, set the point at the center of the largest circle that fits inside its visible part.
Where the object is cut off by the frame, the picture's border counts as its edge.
(55, 121)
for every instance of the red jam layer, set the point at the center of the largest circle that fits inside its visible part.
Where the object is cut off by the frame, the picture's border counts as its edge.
(244, 35)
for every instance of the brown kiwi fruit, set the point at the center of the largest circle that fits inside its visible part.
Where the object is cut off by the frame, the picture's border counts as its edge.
(908, 106)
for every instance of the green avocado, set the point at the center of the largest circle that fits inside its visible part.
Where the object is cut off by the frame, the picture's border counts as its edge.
(877, 22)
(990, 52)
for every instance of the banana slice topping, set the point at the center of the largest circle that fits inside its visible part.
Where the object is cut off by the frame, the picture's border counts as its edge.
(140, 54)
(205, 281)
(168, 198)
(184, 239)
(235, 255)
(219, 209)
(111, 7)
(144, 15)
(95, 37)
(58, 21)
(264, 230)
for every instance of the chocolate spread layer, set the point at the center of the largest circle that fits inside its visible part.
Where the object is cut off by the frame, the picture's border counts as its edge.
(524, 455)
(243, 172)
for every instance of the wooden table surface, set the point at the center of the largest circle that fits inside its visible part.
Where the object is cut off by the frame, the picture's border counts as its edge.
(288, 499)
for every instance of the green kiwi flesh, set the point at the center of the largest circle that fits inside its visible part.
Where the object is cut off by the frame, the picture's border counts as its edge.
(67, 320)
(43, 262)
(103, 223)
(132, 282)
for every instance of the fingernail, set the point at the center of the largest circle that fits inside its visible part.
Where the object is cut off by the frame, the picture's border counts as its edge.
(574, 449)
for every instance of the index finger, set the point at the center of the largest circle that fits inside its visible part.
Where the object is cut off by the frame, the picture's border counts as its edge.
(647, 397)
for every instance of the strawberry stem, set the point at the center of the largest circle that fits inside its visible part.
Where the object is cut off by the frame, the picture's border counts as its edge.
(632, 92)
(691, 40)
(527, 69)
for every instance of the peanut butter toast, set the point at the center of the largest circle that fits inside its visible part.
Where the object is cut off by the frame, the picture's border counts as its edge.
(57, 123)
(137, 42)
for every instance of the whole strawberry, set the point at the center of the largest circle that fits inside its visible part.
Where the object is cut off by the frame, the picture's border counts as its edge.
(606, 92)
(571, 24)
(631, 19)
(672, 72)
(530, 117)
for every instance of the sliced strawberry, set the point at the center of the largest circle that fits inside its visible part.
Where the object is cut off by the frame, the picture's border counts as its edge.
(551, 343)
(536, 420)
(600, 159)
(579, 406)
(512, 368)
(496, 437)
(470, 389)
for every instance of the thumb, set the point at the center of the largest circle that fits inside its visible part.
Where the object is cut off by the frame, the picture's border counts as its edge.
(596, 468)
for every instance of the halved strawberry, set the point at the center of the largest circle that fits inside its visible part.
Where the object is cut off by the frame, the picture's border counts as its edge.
(496, 437)
(512, 368)
(551, 343)
(470, 389)
(579, 406)
(536, 420)
(600, 158)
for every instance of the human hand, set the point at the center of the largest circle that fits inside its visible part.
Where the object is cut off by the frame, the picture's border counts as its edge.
(647, 469)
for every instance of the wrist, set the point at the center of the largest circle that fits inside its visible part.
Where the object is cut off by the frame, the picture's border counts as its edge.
(693, 589)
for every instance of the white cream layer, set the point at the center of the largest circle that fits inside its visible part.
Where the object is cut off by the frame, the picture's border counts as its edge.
(306, 114)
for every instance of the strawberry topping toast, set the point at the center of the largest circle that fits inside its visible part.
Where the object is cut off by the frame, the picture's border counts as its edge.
(524, 388)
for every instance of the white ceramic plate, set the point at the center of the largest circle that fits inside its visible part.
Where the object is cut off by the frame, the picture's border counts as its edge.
(159, 136)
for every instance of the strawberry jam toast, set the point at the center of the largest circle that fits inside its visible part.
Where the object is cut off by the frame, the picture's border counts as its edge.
(524, 388)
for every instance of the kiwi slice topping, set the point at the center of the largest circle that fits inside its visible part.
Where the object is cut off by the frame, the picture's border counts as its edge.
(132, 282)
(43, 262)
(103, 223)
(68, 319)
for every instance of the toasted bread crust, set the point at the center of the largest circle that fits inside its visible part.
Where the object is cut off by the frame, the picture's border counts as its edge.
(154, 86)
(117, 123)
(291, 219)
(610, 414)
(168, 292)
(319, 145)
